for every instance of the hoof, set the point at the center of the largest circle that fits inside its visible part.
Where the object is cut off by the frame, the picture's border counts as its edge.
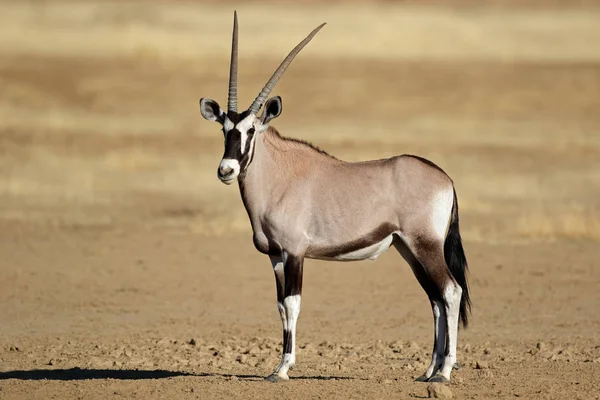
(439, 378)
(456, 366)
(274, 378)
(422, 378)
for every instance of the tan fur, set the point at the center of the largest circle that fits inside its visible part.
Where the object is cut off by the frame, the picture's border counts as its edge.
(303, 200)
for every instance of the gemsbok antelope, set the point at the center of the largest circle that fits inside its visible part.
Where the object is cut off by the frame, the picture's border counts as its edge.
(305, 203)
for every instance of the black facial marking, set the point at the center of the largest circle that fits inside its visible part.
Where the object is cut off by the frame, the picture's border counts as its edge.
(250, 156)
(249, 140)
(233, 142)
(235, 117)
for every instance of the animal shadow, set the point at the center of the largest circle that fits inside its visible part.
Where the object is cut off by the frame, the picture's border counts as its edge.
(76, 374)
(79, 374)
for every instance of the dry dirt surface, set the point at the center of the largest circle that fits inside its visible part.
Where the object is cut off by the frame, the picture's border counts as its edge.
(127, 269)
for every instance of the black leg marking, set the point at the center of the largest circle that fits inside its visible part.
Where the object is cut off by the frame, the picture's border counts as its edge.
(427, 279)
(438, 378)
(287, 342)
(280, 282)
(447, 349)
(293, 275)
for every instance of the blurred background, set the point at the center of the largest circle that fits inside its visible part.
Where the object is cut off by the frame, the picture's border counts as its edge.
(100, 126)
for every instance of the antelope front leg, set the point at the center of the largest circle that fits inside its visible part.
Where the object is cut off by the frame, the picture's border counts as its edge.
(288, 276)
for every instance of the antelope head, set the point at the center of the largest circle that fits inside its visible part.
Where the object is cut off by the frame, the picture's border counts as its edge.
(241, 128)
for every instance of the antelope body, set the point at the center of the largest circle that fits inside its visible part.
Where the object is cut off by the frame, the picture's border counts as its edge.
(304, 203)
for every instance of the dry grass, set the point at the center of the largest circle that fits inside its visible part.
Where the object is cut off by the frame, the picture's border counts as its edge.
(572, 223)
(99, 122)
(383, 31)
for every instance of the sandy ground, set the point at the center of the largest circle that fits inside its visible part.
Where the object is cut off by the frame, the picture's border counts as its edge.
(127, 269)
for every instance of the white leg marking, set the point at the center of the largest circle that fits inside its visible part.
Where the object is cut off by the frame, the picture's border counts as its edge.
(292, 309)
(452, 296)
(283, 316)
(288, 360)
(442, 207)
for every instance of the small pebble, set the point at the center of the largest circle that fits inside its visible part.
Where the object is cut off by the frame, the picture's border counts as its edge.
(439, 391)
(414, 346)
(486, 373)
(541, 346)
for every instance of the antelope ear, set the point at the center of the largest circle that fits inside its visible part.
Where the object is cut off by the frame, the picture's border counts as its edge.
(272, 110)
(211, 111)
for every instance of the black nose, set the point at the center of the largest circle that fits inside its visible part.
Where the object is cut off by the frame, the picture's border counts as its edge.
(224, 172)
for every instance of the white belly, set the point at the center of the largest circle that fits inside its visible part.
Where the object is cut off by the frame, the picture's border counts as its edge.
(371, 252)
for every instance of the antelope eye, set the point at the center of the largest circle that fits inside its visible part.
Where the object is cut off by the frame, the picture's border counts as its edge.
(251, 131)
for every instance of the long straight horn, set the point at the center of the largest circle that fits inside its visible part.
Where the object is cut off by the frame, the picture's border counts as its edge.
(262, 96)
(233, 67)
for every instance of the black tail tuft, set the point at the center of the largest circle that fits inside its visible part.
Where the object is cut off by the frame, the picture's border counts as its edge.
(457, 262)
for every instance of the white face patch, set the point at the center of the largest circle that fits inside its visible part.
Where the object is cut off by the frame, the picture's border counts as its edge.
(442, 207)
(243, 126)
(226, 164)
(227, 125)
